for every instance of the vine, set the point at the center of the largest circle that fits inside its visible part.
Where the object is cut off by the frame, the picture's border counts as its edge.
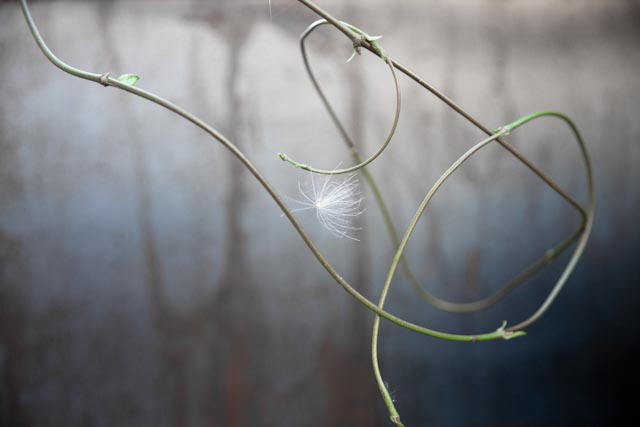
(360, 39)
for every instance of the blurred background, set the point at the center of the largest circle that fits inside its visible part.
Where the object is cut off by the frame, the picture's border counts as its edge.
(146, 279)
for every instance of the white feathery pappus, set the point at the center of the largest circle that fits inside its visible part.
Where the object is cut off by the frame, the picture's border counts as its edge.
(337, 202)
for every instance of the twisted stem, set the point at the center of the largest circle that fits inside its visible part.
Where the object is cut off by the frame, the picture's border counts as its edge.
(367, 42)
(449, 102)
(465, 307)
(584, 231)
(105, 80)
(394, 126)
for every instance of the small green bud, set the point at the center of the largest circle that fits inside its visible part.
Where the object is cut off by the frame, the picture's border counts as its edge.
(129, 79)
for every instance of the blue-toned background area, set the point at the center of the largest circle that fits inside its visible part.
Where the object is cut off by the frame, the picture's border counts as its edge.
(146, 279)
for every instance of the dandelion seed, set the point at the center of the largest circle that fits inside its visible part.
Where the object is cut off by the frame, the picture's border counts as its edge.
(336, 204)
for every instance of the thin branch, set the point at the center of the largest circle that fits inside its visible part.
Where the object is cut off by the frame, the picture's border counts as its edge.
(394, 126)
(108, 81)
(589, 214)
(535, 169)
(466, 307)
(367, 42)
(585, 232)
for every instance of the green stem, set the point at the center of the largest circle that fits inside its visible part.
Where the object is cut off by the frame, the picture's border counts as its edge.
(108, 81)
(336, 23)
(589, 215)
(361, 164)
(450, 103)
(550, 255)
(387, 286)
(441, 304)
(584, 231)
(47, 52)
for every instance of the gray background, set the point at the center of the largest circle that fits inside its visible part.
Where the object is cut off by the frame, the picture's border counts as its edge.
(146, 279)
